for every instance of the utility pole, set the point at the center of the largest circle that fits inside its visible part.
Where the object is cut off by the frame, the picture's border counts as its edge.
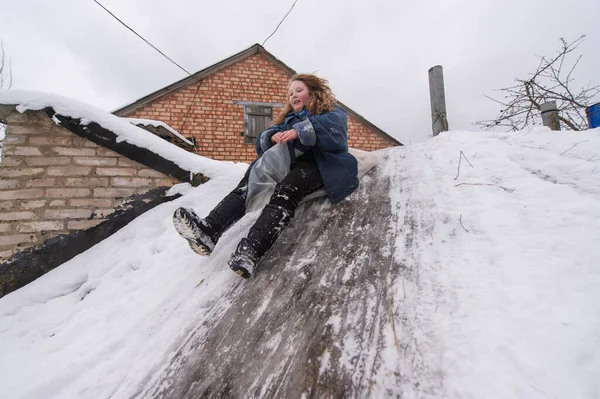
(439, 120)
(550, 115)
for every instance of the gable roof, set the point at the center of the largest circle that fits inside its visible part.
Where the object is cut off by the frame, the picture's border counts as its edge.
(199, 76)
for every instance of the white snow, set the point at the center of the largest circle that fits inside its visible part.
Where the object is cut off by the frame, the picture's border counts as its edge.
(32, 100)
(508, 259)
(506, 303)
(150, 122)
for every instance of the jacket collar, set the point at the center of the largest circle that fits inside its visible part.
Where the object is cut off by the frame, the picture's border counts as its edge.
(300, 115)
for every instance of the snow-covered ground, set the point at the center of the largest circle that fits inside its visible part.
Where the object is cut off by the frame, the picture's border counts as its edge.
(510, 253)
(505, 259)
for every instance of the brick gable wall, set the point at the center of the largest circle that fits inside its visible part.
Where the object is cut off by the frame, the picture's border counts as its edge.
(217, 123)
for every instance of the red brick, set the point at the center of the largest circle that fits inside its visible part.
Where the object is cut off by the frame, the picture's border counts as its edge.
(68, 214)
(47, 161)
(94, 203)
(69, 171)
(22, 151)
(67, 192)
(7, 216)
(131, 182)
(31, 227)
(91, 161)
(48, 182)
(86, 182)
(21, 194)
(115, 172)
(16, 239)
(50, 140)
(77, 152)
(32, 204)
(9, 184)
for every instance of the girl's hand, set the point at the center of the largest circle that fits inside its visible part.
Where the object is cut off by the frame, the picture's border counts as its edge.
(283, 137)
(275, 138)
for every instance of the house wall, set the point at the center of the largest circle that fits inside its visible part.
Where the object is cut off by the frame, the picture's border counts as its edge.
(53, 181)
(217, 123)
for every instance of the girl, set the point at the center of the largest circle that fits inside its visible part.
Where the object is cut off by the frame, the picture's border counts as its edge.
(315, 132)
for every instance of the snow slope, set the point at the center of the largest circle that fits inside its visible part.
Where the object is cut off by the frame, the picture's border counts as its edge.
(492, 288)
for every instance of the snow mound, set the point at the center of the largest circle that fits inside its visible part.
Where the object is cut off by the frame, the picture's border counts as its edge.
(480, 278)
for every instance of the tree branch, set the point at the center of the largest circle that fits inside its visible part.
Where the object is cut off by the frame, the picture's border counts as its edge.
(521, 102)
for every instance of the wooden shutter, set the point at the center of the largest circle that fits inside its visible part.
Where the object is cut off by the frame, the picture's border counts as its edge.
(257, 119)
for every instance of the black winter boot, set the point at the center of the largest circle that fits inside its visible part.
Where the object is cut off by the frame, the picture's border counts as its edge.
(261, 237)
(196, 231)
(244, 259)
(202, 234)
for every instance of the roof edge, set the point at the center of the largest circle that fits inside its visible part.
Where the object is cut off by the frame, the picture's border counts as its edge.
(197, 77)
(96, 133)
(364, 121)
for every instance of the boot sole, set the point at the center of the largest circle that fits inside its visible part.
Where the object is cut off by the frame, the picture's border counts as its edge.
(239, 270)
(187, 231)
(243, 273)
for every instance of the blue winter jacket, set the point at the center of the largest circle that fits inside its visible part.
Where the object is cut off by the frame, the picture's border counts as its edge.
(327, 136)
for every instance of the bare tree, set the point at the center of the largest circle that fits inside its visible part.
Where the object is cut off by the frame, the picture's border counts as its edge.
(552, 80)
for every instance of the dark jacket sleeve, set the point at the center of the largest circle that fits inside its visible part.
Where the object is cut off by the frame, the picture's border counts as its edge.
(263, 140)
(328, 131)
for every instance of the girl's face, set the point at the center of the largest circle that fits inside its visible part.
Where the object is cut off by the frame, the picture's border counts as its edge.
(298, 95)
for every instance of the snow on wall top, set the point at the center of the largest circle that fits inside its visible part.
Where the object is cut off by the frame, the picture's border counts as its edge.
(25, 100)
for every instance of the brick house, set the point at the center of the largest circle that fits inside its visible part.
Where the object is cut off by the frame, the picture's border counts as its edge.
(223, 107)
(66, 185)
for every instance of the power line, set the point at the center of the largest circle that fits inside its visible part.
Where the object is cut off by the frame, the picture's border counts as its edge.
(189, 110)
(288, 13)
(164, 55)
(138, 35)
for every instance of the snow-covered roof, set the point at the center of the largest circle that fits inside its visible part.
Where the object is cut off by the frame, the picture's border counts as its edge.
(68, 107)
(159, 124)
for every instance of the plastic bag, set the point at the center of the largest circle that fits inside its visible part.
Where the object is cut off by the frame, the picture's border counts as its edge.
(274, 165)
(266, 172)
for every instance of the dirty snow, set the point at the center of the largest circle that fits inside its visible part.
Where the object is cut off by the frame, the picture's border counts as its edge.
(505, 255)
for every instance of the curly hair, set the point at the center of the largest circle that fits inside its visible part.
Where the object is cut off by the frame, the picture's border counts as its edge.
(321, 98)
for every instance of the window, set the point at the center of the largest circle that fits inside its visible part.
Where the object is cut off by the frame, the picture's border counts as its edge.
(257, 119)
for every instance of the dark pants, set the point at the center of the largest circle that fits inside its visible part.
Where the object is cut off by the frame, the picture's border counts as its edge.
(303, 179)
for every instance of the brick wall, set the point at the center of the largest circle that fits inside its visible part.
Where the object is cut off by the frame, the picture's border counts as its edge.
(364, 138)
(53, 181)
(216, 122)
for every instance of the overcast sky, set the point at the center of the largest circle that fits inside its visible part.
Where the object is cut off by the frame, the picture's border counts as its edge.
(375, 53)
